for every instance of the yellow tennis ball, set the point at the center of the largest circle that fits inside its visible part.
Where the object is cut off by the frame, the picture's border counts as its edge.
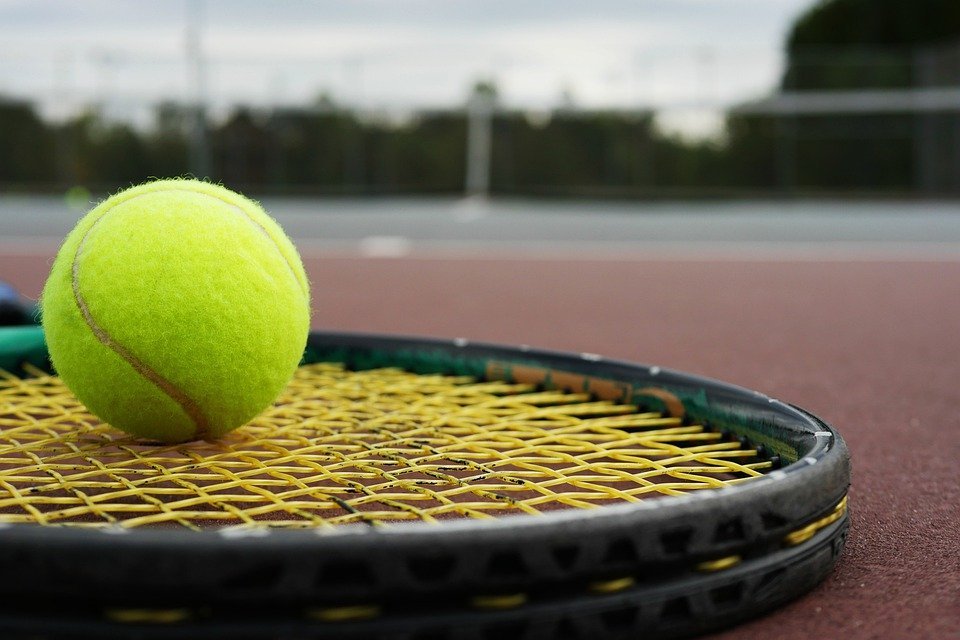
(176, 310)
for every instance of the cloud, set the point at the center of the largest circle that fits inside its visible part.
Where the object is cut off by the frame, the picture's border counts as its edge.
(402, 53)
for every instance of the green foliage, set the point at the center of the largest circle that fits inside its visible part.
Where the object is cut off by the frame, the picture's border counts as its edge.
(605, 151)
(27, 151)
(559, 153)
(868, 44)
(836, 45)
(876, 23)
(433, 152)
(753, 142)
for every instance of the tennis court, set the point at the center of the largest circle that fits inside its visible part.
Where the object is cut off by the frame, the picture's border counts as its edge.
(865, 340)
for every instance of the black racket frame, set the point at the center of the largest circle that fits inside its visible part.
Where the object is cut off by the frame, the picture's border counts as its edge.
(519, 576)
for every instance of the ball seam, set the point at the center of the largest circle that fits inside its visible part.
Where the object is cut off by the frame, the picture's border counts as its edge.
(293, 272)
(189, 406)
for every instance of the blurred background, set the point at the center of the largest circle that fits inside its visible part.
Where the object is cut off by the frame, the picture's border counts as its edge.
(613, 99)
(494, 128)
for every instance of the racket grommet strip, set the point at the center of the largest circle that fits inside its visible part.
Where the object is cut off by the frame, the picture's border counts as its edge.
(343, 614)
(140, 616)
(503, 601)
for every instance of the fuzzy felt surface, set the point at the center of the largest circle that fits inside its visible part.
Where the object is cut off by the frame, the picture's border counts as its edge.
(176, 310)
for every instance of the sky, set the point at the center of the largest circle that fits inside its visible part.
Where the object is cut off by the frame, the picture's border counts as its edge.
(688, 58)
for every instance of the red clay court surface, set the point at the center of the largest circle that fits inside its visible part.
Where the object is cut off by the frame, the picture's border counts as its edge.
(871, 347)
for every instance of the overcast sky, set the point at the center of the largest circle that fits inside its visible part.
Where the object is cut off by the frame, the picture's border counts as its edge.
(397, 54)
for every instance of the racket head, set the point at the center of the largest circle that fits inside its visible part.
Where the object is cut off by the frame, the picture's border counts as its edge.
(670, 565)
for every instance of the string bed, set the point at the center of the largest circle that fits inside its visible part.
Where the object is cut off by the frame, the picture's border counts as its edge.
(378, 447)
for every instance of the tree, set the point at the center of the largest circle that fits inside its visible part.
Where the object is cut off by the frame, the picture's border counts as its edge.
(27, 152)
(845, 44)
(859, 45)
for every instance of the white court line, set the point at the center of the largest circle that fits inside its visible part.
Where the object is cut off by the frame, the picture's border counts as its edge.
(471, 209)
(384, 247)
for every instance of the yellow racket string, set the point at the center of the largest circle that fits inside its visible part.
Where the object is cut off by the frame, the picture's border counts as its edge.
(802, 535)
(339, 447)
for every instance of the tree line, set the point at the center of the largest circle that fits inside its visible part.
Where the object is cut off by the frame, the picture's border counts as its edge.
(836, 45)
(564, 153)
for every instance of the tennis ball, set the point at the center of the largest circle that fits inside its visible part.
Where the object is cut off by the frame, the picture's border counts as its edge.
(176, 310)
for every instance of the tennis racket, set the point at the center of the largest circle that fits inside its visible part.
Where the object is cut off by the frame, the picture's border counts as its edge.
(418, 489)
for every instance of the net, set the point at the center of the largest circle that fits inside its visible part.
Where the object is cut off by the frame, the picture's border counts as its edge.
(378, 447)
